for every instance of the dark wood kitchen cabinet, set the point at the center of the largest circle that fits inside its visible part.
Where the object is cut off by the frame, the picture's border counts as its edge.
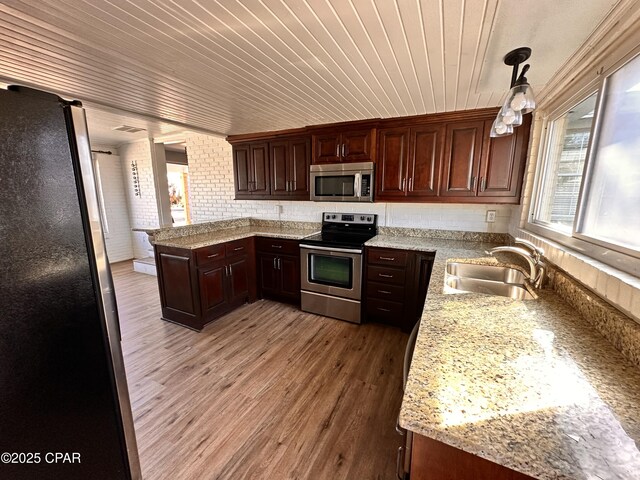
(434, 460)
(344, 146)
(476, 165)
(197, 286)
(409, 162)
(289, 168)
(396, 284)
(278, 263)
(251, 170)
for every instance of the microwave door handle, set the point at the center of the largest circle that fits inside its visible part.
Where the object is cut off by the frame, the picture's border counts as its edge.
(356, 185)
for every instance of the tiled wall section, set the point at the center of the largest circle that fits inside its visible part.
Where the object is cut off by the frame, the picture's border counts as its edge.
(143, 209)
(620, 289)
(117, 229)
(212, 192)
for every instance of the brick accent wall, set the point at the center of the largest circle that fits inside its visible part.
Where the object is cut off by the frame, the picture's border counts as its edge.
(211, 193)
(143, 209)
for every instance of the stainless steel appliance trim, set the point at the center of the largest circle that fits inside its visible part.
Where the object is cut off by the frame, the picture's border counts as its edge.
(330, 306)
(357, 186)
(355, 292)
(331, 249)
(343, 167)
(105, 285)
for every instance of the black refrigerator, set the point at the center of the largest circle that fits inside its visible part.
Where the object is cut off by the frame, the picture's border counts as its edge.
(64, 406)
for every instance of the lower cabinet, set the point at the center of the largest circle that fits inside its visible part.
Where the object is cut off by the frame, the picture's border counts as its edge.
(198, 286)
(396, 284)
(433, 460)
(278, 269)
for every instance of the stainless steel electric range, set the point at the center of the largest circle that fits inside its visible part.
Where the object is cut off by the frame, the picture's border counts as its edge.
(331, 265)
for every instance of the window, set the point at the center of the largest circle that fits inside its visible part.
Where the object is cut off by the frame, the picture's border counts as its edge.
(588, 187)
(566, 154)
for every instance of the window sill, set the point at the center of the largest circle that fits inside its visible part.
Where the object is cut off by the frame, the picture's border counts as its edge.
(619, 288)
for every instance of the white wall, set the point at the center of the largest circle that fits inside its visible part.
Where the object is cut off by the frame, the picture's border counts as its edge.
(117, 231)
(212, 193)
(143, 209)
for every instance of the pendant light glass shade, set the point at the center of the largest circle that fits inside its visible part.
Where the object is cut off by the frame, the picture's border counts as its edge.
(521, 98)
(499, 128)
(510, 116)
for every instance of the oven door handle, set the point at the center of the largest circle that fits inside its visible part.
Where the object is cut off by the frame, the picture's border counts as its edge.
(331, 249)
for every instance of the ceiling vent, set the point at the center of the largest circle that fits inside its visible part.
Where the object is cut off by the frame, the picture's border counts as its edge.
(129, 129)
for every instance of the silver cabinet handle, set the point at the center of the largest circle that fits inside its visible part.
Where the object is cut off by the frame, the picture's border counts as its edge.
(276, 246)
(398, 429)
(483, 184)
(226, 270)
(274, 263)
(383, 309)
(338, 150)
(230, 271)
(411, 184)
(279, 263)
(404, 182)
(213, 255)
(384, 275)
(238, 248)
(474, 180)
(343, 150)
(399, 464)
(386, 292)
(391, 259)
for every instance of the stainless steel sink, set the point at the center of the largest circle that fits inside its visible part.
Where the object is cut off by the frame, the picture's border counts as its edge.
(489, 279)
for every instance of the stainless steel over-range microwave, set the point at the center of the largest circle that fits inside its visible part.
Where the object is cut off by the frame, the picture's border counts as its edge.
(342, 182)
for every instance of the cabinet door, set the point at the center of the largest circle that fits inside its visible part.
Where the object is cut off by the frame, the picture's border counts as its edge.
(289, 271)
(503, 161)
(357, 146)
(393, 152)
(279, 166)
(259, 175)
(241, 169)
(268, 274)
(326, 148)
(299, 161)
(463, 149)
(424, 161)
(238, 280)
(176, 287)
(211, 281)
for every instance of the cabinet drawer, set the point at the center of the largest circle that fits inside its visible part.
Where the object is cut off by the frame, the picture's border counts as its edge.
(238, 247)
(390, 311)
(209, 254)
(394, 276)
(385, 292)
(394, 258)
(277, 246)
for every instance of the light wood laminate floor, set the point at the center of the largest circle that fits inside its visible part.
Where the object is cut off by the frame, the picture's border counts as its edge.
(266, 392)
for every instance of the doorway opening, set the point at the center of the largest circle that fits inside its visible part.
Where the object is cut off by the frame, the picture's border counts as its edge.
(178, 181)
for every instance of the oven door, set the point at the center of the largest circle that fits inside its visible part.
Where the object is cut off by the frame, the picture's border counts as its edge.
(331, 271)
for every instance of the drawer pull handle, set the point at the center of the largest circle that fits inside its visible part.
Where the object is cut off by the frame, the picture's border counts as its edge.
(384, 275)
(238, 248)
(213, 255)
(384, 309)
(386, 292)
(276, 246)
(391, 259)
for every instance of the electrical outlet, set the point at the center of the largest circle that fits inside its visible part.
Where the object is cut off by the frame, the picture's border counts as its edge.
(278, 209)
(491, 216)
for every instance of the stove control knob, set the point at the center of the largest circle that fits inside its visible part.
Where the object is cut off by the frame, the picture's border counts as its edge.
(362, 217)
(333, 216)
(368, 219)
(328, 217)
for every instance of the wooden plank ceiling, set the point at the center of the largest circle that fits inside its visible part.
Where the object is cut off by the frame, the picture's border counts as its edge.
(253, 65)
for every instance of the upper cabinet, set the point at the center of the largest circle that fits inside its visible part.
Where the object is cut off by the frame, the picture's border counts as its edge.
(251, 170)
(344, 145)
(278, 169)
(409, 159)
(447, 157)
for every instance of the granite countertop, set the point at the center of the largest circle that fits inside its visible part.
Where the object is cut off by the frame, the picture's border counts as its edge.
(529, 385)
(228, 234)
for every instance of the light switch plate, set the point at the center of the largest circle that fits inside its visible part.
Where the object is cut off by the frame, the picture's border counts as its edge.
(491, 216)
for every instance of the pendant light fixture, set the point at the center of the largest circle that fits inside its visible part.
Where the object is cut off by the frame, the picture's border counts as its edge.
(520, 99)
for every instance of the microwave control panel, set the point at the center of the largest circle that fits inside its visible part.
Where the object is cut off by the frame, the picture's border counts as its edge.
(366, 185)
